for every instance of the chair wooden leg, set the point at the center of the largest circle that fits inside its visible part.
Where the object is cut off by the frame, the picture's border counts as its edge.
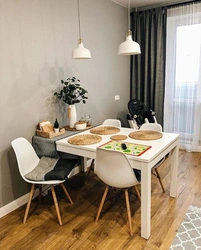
(40, 193)
(56, 204)
(89, 171)
(159, 178)
(137, 192)
(102, 202)
(66, 193)
(29, 203)
(128, 211)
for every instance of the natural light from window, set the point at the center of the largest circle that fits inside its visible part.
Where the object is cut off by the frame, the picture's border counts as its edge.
(188, 53)
(182, 106)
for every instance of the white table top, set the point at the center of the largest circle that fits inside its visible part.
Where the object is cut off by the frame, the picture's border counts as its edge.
(157, 146)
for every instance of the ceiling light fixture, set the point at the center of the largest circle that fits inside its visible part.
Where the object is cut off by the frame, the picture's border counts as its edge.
(129, 47)
(80, 52)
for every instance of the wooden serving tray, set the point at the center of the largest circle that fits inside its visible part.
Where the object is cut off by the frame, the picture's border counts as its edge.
(50, 134)
(74, 129)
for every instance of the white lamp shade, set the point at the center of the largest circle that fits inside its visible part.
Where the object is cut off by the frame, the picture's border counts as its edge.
(81, 52)
(129, 47)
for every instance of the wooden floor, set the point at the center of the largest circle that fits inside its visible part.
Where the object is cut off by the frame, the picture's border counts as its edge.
(79, 231)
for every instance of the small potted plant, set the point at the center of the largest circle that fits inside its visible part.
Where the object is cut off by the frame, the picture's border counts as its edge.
(72, 93)
(56, 126)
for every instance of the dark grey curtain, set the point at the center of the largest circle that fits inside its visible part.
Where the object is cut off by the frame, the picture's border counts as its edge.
(148, 69)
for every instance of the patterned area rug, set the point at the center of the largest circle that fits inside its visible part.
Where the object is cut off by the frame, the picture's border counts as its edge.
(188, 236)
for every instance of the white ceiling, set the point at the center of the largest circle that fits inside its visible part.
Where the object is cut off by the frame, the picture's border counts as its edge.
(147, 3)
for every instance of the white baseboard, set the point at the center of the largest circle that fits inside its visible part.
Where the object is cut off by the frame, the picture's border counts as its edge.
(23, 199)
(13, 205)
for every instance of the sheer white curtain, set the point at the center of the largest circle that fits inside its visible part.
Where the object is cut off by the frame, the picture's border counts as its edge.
(182, 106)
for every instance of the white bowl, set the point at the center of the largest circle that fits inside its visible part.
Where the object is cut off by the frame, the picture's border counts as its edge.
(80, 126)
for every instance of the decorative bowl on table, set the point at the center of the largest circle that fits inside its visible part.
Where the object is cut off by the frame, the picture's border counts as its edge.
(80, 125)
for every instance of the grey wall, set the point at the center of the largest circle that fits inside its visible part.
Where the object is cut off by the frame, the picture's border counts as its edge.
(36, 42)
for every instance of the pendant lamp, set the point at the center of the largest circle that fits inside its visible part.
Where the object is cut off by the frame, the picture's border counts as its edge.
(80, 52)
(129, 47)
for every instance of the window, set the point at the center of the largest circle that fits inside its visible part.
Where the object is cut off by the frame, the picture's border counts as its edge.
(182, 108)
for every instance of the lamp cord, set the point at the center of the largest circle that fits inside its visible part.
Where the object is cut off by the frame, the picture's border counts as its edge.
(128, 14)
(78, 5)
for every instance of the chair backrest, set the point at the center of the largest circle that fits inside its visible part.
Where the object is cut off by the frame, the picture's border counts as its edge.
(136, 107)
(114, 169)
(27, 158)
(112, 122)
(151, 126)
(139, 113)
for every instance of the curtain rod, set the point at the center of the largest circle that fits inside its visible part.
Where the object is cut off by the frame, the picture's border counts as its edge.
(168, 4)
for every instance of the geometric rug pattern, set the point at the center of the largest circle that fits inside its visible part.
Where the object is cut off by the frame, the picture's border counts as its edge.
(188, 236)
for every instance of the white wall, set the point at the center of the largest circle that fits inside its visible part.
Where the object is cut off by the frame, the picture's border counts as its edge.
(36, 43)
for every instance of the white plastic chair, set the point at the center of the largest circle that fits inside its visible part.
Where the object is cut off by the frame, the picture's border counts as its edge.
(115, 170)
(27, 160)
(112, 122)
(107, 122)
(155, 127)
(151, 126)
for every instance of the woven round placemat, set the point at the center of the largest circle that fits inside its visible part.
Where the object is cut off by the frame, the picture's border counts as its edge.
(105, 130)
(145, 135)
(84, 139)
(118, 137)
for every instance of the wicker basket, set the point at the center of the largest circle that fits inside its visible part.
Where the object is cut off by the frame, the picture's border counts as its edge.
(50, 134)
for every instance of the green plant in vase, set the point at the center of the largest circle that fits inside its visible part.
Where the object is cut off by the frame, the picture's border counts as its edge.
(72, 93)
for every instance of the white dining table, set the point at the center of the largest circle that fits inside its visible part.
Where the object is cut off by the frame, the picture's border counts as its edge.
(168, 143)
